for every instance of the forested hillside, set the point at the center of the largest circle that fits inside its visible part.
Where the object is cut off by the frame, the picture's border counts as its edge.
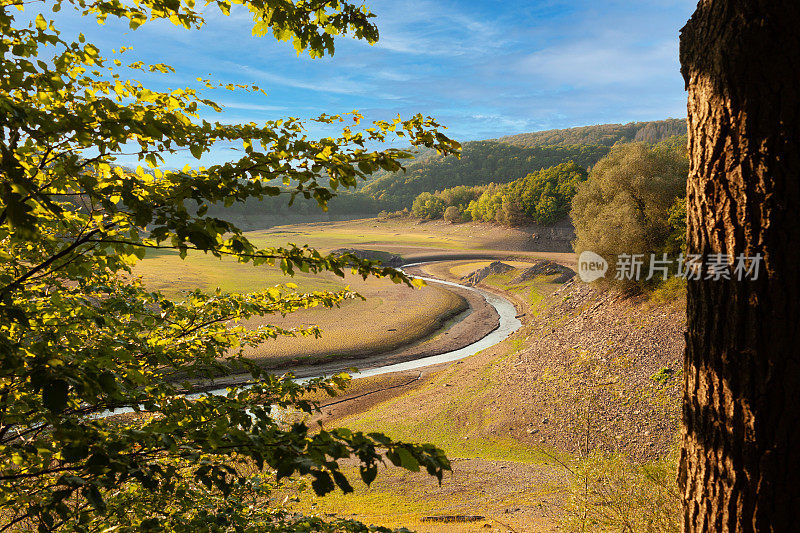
(481, 162)
(601, 134)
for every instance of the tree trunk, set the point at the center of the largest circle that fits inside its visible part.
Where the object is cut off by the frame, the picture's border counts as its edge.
(740, 463)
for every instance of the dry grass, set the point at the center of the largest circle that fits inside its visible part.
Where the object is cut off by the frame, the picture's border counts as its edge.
(609, 493)
(398, 498)
(166, 272)
(393, 315)
(393, 233)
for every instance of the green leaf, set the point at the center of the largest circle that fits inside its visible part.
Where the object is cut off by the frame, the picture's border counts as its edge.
(405, 459)
(368, 473)
(54, 395)
(322, 484)
(341, 481)
(94, 498)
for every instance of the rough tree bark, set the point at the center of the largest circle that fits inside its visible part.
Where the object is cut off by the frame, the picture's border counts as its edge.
(740, 463)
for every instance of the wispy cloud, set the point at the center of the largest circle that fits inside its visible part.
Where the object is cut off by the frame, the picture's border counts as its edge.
(599, 62)
(485, 68)
(250, 106)
(332, 84)
(442, 28)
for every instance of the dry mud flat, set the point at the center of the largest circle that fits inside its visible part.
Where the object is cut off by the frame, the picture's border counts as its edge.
(477, 320)
(590, 370)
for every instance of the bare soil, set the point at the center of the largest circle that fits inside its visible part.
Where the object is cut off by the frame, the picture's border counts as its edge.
(592, 369)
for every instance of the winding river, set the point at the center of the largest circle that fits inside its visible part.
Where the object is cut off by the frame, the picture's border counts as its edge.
(509, 323)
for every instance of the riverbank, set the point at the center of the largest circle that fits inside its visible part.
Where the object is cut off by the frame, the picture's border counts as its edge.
(490, 319)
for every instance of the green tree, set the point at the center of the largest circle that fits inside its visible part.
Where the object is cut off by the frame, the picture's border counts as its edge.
(80, 338)
(676, 242)
(545, 195)
(459, 196)
(624, 206)
(428, 205)
(434, 205)
(487, 205)
(512, 212)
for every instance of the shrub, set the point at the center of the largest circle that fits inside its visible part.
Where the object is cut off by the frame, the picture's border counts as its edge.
(453, 214)
(609, 493)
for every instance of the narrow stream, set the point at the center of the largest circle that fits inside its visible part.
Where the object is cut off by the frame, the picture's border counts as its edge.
(509, 323)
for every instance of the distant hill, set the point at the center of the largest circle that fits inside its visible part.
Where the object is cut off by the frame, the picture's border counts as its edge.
(602, 134)
(481, 162)
(508, 158)
(500, 160)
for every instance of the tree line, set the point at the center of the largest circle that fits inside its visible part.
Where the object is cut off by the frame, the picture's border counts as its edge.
(541, 197)
(602, 134)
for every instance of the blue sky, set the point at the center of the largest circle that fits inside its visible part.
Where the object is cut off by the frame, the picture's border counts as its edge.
(484, 69)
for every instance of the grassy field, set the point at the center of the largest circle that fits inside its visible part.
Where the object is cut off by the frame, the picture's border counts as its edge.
(391, 316)
(493, 413)
(166, 272)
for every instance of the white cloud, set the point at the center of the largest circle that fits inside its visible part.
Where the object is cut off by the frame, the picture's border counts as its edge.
(593, 63)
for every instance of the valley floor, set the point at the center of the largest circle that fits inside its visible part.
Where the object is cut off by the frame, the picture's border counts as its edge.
(591, 371)
(591, 374)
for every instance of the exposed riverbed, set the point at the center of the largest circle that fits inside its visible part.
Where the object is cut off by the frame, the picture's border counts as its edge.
(507, 324)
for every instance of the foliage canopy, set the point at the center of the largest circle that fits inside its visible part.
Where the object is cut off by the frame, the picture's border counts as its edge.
(541, 197)
(80, 338)
(631, 203)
